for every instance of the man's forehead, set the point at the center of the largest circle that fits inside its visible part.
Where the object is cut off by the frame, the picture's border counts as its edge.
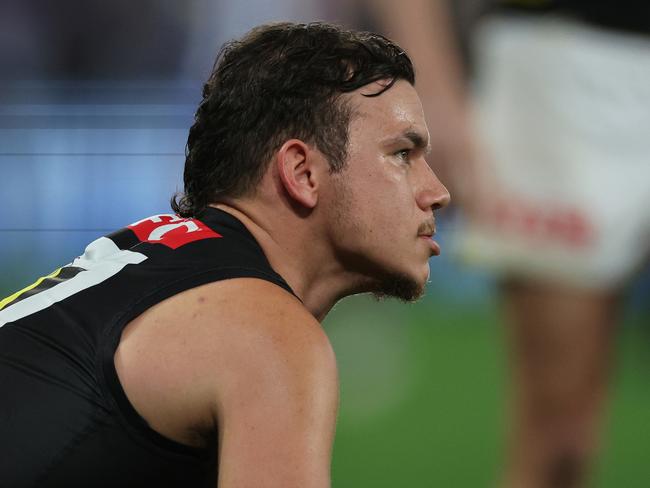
(400, 99)
(397, 110)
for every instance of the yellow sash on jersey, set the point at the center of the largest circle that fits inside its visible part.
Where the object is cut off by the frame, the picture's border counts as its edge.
(6, 301)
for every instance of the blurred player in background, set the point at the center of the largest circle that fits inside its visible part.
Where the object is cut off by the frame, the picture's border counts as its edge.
(186, 350)
(556, 200)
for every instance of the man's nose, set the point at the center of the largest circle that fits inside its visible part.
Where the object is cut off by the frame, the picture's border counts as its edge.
(433, 193)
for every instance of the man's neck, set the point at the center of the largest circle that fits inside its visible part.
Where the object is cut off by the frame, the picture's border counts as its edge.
(299, 254)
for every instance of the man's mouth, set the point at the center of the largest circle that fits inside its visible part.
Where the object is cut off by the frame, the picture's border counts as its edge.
(427, 231)
(435, 247)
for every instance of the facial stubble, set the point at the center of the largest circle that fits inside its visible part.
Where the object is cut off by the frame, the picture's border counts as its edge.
(382, 282)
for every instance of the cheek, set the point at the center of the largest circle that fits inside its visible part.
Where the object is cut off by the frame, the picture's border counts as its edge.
(400, 205)
(378, 204)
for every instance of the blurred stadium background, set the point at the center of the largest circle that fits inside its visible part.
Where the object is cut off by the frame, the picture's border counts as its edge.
(95, 102)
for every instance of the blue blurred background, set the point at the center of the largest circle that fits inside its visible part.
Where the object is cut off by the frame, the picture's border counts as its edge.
(96, 98)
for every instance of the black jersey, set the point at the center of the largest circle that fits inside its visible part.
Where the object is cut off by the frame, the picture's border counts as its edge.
(626, 15)
(64, 417)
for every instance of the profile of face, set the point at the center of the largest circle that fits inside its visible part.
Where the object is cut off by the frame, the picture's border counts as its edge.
(385, 197)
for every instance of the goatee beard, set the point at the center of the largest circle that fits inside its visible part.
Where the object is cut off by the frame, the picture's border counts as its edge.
(399, 286)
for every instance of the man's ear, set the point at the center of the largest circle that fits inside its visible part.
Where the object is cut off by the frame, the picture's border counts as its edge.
(298, 167)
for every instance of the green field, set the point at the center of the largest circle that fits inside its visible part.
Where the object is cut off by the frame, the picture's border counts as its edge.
(423, 391)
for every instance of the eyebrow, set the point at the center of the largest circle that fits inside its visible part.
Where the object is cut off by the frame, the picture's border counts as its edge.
(416, 138)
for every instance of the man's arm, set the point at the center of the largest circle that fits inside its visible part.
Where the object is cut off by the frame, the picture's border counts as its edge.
(277, 396)
(245, 358)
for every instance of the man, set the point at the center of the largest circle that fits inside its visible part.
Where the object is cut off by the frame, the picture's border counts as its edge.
(186, 350)
(562, 102)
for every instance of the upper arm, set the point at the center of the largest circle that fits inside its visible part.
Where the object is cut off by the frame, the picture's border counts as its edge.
(245, 357)
(276, 396)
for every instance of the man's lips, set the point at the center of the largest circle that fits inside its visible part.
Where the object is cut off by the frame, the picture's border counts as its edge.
(426, 231)
(435, 247)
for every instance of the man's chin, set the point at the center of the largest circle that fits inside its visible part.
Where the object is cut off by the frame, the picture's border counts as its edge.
(400, 286)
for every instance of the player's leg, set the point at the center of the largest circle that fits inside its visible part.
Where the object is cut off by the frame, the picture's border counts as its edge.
(561, 346)
(567, 192)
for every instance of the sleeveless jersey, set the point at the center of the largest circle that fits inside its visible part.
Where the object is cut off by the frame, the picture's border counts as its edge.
(64, 417)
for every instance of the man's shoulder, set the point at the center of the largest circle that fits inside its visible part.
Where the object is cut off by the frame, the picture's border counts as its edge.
(265, 345)
(218, 346)
(226, 314)
(250, 301)
(263, 319)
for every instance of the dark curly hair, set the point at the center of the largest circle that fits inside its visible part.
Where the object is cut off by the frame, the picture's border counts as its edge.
(280, 81)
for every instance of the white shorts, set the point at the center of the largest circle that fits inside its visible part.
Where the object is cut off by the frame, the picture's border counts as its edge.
(563, 112)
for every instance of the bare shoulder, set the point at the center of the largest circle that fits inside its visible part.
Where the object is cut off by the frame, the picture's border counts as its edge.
(257, 316)
(227, 353)
(256, 329)
(276, 390)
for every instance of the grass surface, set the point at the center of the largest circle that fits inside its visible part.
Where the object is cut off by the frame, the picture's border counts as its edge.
(423, 397)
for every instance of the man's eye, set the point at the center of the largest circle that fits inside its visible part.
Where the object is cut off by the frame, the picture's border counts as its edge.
(403, 154)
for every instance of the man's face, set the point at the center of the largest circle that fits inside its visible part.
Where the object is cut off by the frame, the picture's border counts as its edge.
(385, 196)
